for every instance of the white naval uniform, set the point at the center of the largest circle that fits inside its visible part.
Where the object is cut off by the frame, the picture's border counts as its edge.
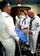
(24, 22)
(8, 34)
(21, 21)
(35, 30)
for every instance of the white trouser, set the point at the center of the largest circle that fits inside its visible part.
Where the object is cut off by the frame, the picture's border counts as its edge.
(9, 44)
(34, 41)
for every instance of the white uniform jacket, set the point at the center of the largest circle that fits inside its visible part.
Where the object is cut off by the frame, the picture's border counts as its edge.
(23, 21)
(8, 20)
(35, 30)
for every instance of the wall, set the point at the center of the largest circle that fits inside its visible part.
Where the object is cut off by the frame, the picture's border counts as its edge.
(34, 7)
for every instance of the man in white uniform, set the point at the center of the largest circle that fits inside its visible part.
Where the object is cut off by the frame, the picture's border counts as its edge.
(24, 21)
(35, 28)
(7, 29)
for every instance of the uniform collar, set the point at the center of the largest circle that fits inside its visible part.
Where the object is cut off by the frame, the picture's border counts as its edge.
(5, 14)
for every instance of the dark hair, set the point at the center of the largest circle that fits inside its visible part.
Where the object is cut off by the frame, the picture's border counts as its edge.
(2, 4)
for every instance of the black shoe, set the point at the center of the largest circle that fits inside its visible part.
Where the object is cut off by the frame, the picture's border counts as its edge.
(33, 54)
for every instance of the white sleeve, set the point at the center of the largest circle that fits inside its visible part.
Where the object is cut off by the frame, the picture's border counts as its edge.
(38, 24)
(27, 22)
(11, 28)
(17, 19)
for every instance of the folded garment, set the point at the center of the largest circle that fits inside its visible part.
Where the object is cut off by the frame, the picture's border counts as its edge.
(21, 35)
